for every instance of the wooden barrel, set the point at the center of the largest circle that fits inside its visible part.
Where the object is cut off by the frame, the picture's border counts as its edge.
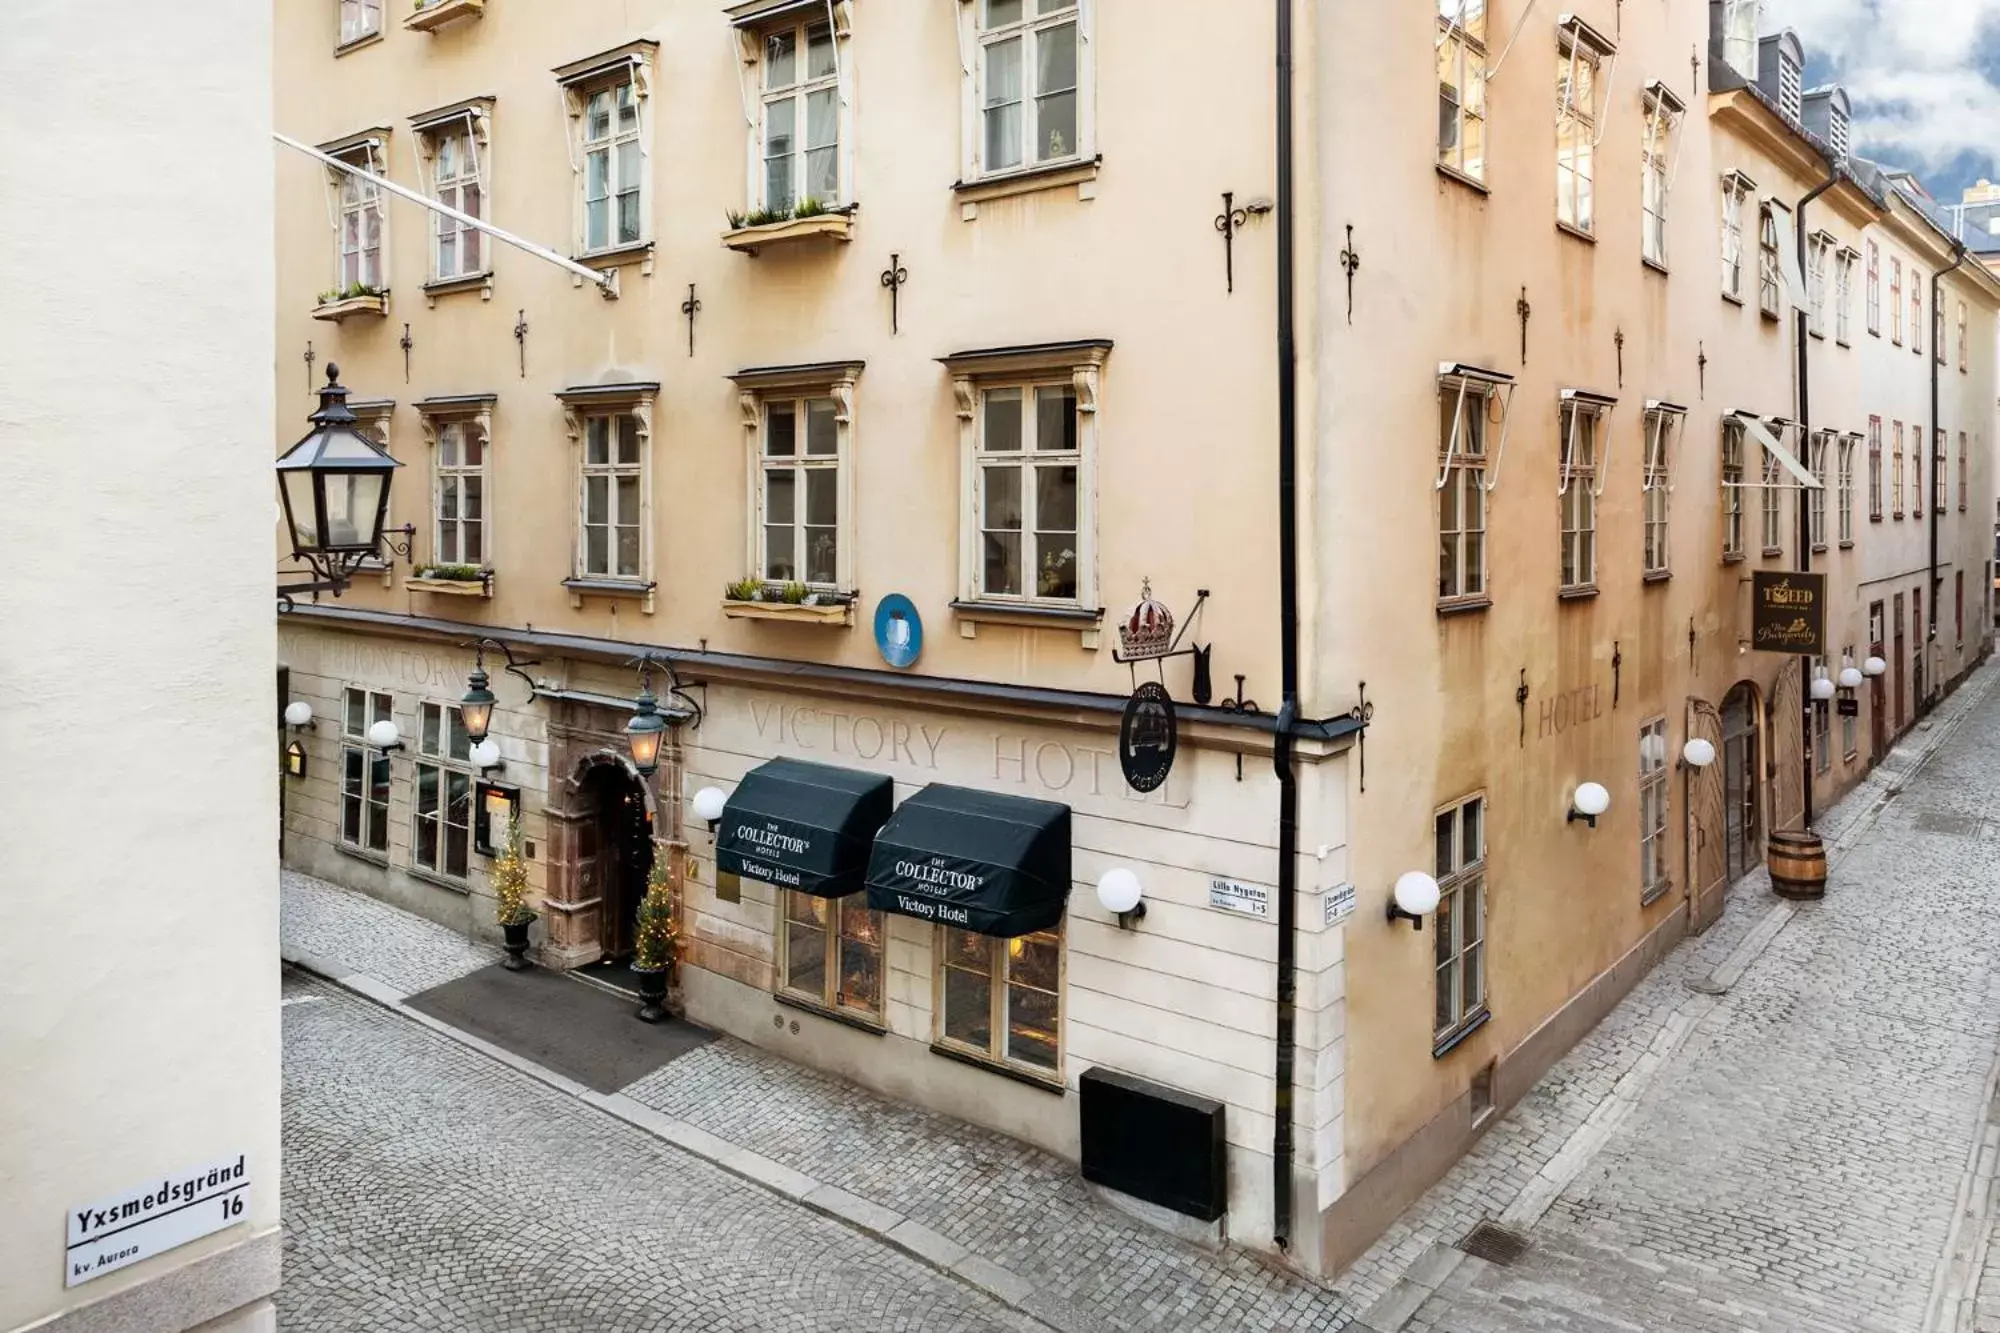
(1798, 865)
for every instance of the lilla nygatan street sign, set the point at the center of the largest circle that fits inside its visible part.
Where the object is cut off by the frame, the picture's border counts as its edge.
(1788, 613)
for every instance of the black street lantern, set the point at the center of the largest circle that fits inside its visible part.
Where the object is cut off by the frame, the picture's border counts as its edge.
(646, 730)
(335, 488)
(476, 708)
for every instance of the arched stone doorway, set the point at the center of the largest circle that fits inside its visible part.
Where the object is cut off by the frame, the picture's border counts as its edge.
(1742, 773)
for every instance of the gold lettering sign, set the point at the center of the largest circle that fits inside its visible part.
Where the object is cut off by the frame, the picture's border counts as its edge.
(1788, 613)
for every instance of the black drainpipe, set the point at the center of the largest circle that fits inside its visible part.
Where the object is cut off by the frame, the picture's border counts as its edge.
(1804, 562)
(1288, 655)
(1937, 356)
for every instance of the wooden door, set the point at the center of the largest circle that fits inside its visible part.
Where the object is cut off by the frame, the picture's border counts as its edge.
(1788, 748)
(1741, 781)
(1897, 662)
(1878, 696)
(1708, 821)
(1918, 638)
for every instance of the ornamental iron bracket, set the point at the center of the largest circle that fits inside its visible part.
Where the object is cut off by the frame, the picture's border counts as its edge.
(513, 667)
(675, 690)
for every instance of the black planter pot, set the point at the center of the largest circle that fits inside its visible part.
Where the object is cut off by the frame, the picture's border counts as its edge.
(516, 944)
(652, 993)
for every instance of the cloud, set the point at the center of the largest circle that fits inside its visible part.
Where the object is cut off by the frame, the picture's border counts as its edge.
(1924, 76)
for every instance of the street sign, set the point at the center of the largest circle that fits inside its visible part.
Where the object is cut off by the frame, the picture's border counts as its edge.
(1339, 904)
(1230, 896)
(155, 1217)
(1788, 613)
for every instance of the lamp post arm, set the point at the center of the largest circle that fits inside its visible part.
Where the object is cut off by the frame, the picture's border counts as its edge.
(606, 282)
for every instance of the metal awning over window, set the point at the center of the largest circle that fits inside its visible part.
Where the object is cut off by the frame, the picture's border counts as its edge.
(803, 826)
(1788, 255)
(1597, 406)
(1769, 432)
(991, 864)
(1486, 384)
(1664, 424)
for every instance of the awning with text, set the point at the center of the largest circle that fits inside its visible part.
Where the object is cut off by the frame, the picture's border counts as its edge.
(991, 864)
(803, 826)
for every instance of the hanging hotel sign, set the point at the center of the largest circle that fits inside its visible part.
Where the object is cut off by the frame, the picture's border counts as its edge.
(1147, 632)
(1788, 613)
(155, 1217)
(1148, 738)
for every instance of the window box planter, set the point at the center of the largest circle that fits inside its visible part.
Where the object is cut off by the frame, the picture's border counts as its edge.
(452, 581)
(820, 608)
(434, 15)
(347, 307)
(749, 239)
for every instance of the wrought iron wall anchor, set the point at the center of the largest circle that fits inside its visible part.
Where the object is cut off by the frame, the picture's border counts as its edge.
(1364, 713)
(1701, 368)
(1617, 663)
(1523, 310)
(1618, 338)
(893, 277)
(1350, 262)
(312, 386)
(1247, 707)
(1521, 702)
(1693, 664)
(521, 341)
(406, 343)
(691, 307)
(402, 548)
(1227, 222)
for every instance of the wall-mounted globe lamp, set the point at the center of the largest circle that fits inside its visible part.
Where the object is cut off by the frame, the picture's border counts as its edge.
(1120, 893)
(1414, 898)
(1588, 802)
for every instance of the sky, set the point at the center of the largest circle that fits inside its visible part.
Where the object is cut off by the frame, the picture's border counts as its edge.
(1924, 77)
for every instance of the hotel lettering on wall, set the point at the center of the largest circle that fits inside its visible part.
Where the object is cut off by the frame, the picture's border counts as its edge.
(1788, 613)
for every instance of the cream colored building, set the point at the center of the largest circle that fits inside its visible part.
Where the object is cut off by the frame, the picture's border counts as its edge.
(954, 305)
(139, 1036)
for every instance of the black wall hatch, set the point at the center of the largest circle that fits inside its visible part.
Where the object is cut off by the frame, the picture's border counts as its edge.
(803, 826)
(994, 865)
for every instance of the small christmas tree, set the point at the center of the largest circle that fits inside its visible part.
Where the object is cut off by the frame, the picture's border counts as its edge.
(658, 940)
(510, 880)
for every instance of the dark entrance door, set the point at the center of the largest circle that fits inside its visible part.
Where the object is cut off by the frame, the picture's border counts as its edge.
(1897, 662)
(1878, 698)
(1739, 781)
(1919, 637)
(615, 853)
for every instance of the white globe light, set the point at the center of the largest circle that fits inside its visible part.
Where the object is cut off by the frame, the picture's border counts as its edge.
(1874, 666)
(486, 754)
(1699, 753)
(1822, 689)
(1119, 891)
(1416, 893)
(1850, 678)
(1591, 799)
(384, 735)
(298, 713)
(708, 804)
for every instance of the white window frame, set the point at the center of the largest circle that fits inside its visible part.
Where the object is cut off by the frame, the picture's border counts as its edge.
(1875, 469)
(469, 130)
(373, 819)
(1843, 295)
(1580, 476)
(830, 995)
(1664, 422)
(1962, 363)
(1461, 45)
(974, 375)
(444, 762)
(1964, 475)
(1821, 447)
(1739, 36)
(1655, 805)
(999, 955)
(1771, 494)
(1916, 311)
(582, 406)
(629, 67)
(359, 20)
(1940, 469)
(975, 39)
(1896, 469)
(1770, 268)
(1659, 163)
(446, 427)
(1850, 723)
(1819, 255)
(1896, 300)
(350, 196)
(1735, 479)
(1845, 494)
(1461, 880)
(755, 39)
(1468, 472)
(1736, 191)
(1874, 281)
(757, 391)
(1580, 128)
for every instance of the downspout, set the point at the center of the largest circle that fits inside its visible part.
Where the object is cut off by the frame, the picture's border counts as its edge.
(1288, 656)
(1937, 358)
(1804, 562)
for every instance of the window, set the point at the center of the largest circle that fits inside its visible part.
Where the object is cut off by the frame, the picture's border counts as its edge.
(1961, 336)
(1577, 489)
(1579, 52)
(1875, 469)
(1767, 260)
(1874, 289)
(1662, 422)
(1940, 474)
(442, 832)
(1733, 480)
(799, 145)
(1958, 605)
(1028, 429)
(1461, 53)
(1653, 879)
(1002, 999)
(1843, 297)
(457, 182)
(1850, 723)
(1845, 496)
(1461, 916)
(364, 772)
(1656, 167)
(800, 494)
(1963, 476)
(1937, 328)
(1816, 499)
(610, 145)
(1462, 485)
(1032, 96)
(1739, 36)
(1916, 312)
(1896, 470)
(613, 509)
(459, 537)
(360, 218)
(1818, 254)
(1735, 190)
(358, 19)
(1772, 494)
(832, 952)
(1822, 712)
(1896, 302)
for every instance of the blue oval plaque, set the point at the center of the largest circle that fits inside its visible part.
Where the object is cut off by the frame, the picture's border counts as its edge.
(899, 631)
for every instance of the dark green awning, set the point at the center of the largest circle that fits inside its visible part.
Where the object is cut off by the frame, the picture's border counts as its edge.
(994, 865)
(803, 826)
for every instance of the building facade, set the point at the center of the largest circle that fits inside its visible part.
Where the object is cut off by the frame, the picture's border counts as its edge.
(942, 373)
(139, 1116)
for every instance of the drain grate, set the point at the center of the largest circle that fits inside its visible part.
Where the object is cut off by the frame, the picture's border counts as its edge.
(1937, 821)
(1494, 1243)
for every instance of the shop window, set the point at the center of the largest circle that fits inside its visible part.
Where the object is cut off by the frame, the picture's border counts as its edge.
(442, 832)
(364, 772)
(1461, 917)
(1461, 56)
(1653, 873)
(1002, 998)
(832, 952)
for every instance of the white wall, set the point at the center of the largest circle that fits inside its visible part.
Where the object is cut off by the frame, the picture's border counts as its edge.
(138, 1003)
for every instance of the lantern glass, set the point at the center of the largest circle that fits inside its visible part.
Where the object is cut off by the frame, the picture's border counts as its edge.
(301, 510)
(645, 747)
(476, 708)
(355, 502)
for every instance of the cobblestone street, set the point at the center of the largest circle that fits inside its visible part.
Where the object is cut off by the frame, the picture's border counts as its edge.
(1784, 1127)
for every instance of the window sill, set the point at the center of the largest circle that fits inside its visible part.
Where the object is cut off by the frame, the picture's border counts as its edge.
(1450, 1041)
(377, 859)
(1842, 342)
(434, 16)
(983, 189)
(479, 587)
(336, 311)
(1654, 577)
(1575, 232)
(1773, 552)
(1462, 606)
(1046, 1082)
(1874, 518)
(1577, 592)
(840, 614)
(469, 282)
(1469, 182)
(349, 48)
(1819, 548)
(1732, 557)
(1647, 897)
(1847, 545)
(833, 226)
(1655, 265)
(579, 588)
(1768, 313)
(639, 252)
(457, 886)
(845, 1018)
(1732, 298)
(1086, 622)
(1815, 333)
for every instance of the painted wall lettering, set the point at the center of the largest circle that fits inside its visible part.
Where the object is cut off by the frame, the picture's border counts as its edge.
(1572, 708)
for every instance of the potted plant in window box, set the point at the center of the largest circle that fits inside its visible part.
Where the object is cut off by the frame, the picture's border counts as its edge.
(657, 944)
(453, 580)
(356, 298)
(510, 899)
(430, 15)
(754, 599)
(750, 232)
